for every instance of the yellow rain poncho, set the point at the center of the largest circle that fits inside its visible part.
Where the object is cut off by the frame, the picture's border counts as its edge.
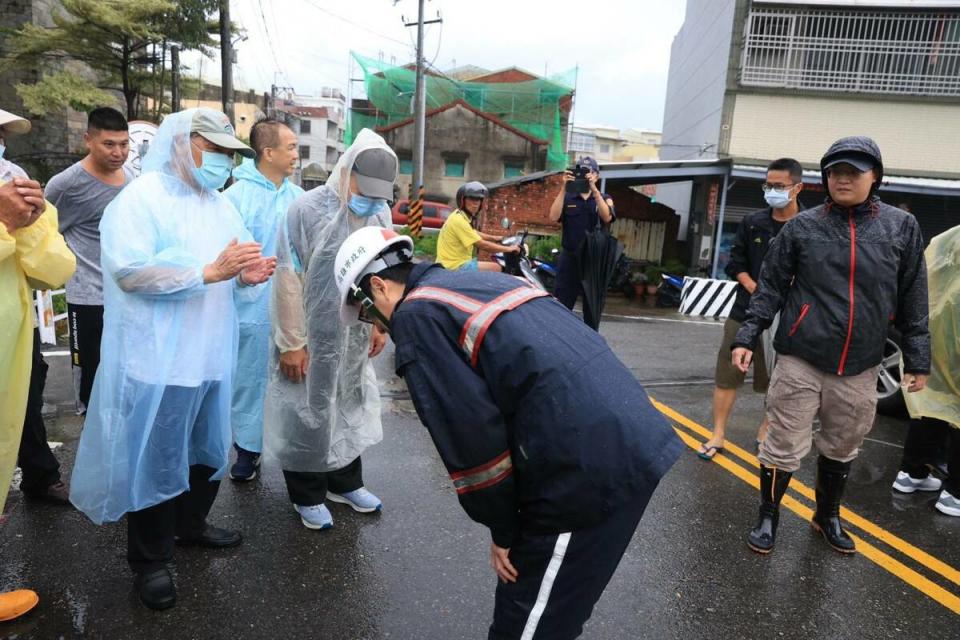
(35, 257)
(941, 398)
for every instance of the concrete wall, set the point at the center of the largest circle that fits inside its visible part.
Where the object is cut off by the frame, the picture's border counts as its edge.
(696, 85)
(913, 136)
(459, 131)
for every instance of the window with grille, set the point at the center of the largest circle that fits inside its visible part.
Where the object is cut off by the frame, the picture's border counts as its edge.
(582, 142)
(859, 51)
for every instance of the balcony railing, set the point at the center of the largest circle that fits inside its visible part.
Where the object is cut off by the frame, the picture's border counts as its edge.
(859, 51)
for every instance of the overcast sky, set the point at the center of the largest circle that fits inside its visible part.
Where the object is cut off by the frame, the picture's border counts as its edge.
(622, 47)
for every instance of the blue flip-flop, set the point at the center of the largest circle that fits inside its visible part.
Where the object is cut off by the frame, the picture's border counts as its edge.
(706, 453)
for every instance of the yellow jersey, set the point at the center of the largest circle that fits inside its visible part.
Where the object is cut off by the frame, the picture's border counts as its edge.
(456, 241)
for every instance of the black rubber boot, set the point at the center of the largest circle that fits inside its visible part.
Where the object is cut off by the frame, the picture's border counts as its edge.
(831, 479)
(773, 484)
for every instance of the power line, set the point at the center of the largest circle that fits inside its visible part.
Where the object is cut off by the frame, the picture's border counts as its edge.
(355, 24)
(276, 61)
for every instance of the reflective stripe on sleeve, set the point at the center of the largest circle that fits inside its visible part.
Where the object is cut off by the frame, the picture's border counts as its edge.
(454, 299)
(485, 475)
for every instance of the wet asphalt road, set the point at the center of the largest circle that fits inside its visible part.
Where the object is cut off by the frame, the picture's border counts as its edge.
(419, 569)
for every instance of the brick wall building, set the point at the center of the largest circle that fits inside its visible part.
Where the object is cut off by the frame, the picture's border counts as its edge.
(526, 201)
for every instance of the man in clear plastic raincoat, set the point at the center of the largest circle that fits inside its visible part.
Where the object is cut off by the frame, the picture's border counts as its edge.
(940, 400)
(262, 193)
(157, 433)
(322, 408)
(32, 255)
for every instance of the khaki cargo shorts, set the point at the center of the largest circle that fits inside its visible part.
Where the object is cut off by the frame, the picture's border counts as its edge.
(728, 376)
(798, 392)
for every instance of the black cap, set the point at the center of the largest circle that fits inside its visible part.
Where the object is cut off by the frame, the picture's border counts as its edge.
(590, 162)
(862, 161)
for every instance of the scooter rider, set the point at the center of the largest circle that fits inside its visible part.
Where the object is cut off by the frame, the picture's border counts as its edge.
(459, 236)
(548, 438)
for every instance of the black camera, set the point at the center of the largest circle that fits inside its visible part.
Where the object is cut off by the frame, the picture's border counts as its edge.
(579, 184)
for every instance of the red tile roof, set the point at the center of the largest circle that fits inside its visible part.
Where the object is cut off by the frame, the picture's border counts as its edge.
(486, 116)
(306, 112)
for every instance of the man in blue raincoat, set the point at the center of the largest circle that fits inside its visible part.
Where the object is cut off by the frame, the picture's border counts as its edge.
(262, 192)
(156, 439)
(548, 438)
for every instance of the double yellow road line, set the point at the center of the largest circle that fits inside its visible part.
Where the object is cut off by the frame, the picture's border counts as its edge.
(870, 551)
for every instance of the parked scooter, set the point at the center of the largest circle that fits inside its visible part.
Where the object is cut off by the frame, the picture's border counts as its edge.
(669, 290)
(546, 270)
(620, 280)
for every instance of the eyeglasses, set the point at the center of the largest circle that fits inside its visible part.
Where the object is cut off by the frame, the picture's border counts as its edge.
(367, 312)
(767, 186)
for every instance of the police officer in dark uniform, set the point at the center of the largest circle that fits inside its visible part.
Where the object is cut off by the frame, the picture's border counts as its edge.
(548, 438)
(578, 213)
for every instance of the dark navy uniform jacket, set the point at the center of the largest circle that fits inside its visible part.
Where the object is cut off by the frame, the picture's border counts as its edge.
(539, 424)
(578, 217)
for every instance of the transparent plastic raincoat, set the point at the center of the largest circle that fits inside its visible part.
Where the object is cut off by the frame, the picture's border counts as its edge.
(31, 257)
(941, 397)
(161, 398)
(326, 421)
(262, 206)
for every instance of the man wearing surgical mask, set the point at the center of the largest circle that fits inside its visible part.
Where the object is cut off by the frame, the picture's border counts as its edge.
(176, 258)
(322, 406)
(780, 190)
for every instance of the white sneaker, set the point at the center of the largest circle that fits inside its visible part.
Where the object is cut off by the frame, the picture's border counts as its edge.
(361, 500)
(905, 484)
(948, 504)
(315, 516)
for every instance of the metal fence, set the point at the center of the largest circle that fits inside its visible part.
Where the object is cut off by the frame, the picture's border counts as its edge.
(861, 51)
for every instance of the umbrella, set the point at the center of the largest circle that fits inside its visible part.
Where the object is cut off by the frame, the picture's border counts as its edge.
(598, 257)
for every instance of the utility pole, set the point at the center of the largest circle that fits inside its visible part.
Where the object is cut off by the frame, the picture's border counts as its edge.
(415, 217)
(175, 78)
(226, 60)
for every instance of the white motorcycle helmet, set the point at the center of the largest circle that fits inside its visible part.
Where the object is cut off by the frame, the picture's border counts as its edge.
(365, 251)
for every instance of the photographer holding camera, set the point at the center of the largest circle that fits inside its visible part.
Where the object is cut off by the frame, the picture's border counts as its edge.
(580, 207)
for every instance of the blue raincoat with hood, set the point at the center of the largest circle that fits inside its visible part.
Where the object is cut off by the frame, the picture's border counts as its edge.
(262, 206)
(161, 398)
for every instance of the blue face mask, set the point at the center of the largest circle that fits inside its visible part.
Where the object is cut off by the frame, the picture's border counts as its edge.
(364, 206)
(214, 170)
(777, 199)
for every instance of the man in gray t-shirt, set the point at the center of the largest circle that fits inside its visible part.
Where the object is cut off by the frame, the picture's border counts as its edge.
(81, 193)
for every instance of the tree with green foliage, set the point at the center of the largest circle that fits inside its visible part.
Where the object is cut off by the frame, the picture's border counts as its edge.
(117, 40)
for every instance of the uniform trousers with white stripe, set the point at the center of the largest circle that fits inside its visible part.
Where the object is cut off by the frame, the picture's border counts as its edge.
(561, 577)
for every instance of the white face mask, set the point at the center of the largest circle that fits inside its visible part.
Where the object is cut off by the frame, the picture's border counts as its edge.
(777, 199)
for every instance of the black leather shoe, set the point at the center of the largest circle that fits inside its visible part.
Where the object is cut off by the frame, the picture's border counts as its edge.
(57, 493)
(831, 480)
(773, 484)
(212, 537)
(156, 589)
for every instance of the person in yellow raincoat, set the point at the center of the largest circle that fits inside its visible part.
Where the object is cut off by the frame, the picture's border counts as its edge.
(938, 405)
(33, 255)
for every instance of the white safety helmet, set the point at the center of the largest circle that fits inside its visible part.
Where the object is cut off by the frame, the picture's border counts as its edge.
(367, 250)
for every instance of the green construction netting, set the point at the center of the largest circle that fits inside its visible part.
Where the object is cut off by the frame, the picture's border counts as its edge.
(532, 106)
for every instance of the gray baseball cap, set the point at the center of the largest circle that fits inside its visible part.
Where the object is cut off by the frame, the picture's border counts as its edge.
(376, 169)
(215, 127)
